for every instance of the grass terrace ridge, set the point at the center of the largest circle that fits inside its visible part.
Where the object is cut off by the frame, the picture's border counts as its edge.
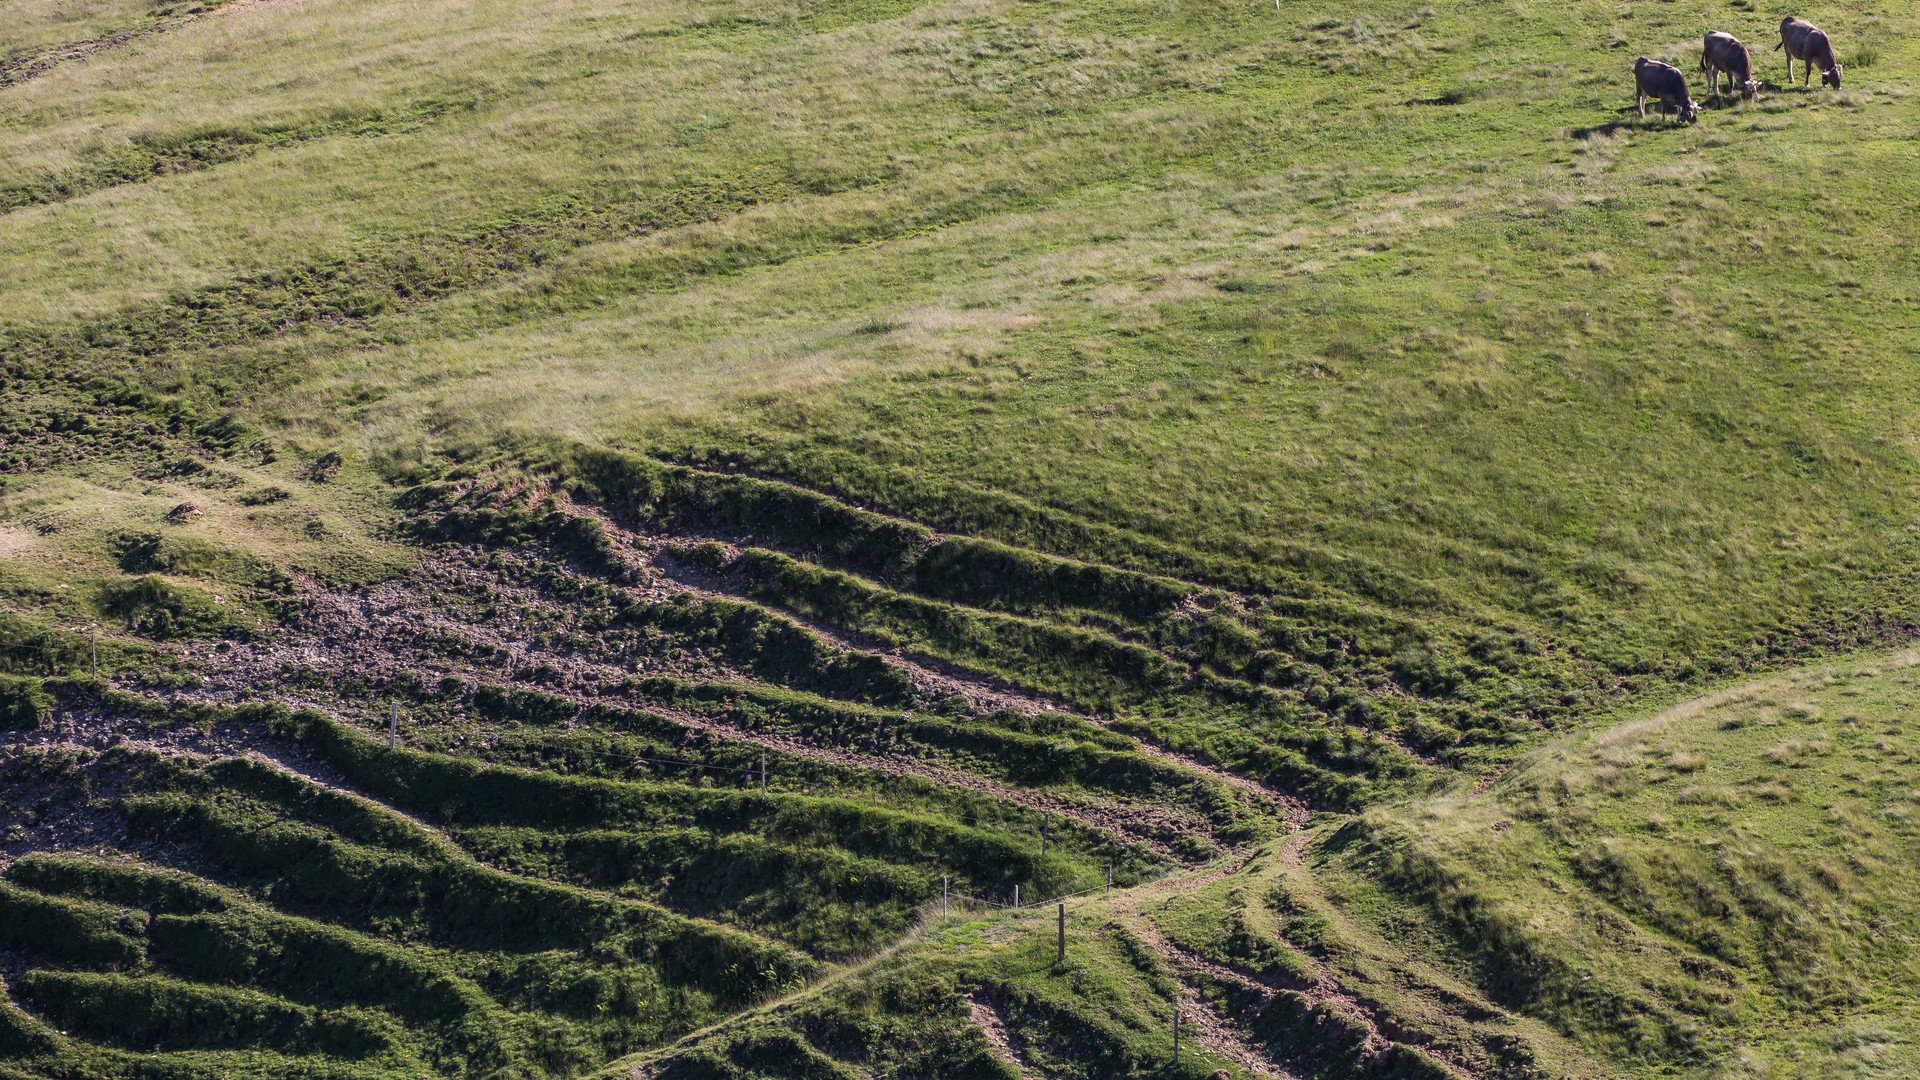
(859, 539)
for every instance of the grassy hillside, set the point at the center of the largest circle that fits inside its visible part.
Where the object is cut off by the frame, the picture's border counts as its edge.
(543, 538)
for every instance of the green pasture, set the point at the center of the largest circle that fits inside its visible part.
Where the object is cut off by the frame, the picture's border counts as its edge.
(1362, 398)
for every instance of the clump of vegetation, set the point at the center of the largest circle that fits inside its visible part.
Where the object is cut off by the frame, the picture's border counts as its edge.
(1212, 417)
(156, 608)
(23, 704)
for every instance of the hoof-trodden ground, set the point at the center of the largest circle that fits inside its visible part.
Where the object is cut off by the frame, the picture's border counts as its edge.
(584, 537)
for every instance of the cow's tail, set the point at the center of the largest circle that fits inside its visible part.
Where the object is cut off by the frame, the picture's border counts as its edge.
(1777, 44)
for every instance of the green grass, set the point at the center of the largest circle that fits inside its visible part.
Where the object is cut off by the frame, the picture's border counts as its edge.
(1360, 399)
(1720, 875)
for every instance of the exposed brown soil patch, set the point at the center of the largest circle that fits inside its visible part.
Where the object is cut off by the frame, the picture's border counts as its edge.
(58, 794)
(986, 1016)
(377, 635)
(30, 67)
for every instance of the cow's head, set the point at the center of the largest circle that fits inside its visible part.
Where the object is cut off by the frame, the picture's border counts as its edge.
(1831, 77)
(1750, 90)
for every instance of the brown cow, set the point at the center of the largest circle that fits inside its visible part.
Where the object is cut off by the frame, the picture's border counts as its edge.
(1665, 84)
(1723, 52)
(1808, 44)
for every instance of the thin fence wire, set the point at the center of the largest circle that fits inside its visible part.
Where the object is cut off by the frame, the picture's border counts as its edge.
(984, 902)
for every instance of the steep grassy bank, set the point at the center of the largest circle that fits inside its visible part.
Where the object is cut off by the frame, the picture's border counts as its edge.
(1049, 440)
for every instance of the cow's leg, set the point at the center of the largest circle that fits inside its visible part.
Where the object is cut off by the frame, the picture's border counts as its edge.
(1643, 106)
(1789, 69)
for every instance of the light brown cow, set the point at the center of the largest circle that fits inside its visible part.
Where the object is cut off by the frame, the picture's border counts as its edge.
(1808, 44)
(1665, 84)
(1723, 52)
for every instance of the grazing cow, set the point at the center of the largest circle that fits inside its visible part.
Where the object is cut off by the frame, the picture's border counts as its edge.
(1808, 44)
(1723, 52)
(1665, 84)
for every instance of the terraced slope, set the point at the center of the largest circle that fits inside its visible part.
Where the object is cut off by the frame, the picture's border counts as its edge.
(592, 538)
(622, 803)
(1712, 890)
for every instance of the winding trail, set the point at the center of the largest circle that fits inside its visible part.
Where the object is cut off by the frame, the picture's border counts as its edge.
(1211, 1029)
(640, 553)
(34, 65)
(29, 67)
(371, 635)
(986, 1016)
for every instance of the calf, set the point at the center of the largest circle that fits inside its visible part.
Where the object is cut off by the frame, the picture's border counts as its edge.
(1723, 52)
(1808, 44)
(1665, 84)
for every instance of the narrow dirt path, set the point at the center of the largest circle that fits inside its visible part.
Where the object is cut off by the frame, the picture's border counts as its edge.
(1112, 819)
(1382, 1029)
(930, 675)
(1141, 824)
(1294, 809)
(655, 574)
(93, 733)
(35, 65)
(1208, 1027)
(352, 635)
(986, 1017)
(29, 67)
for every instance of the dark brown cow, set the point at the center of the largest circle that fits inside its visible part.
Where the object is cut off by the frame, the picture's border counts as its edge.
(1808, 44)
(1723, 52)
(1665, 84)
